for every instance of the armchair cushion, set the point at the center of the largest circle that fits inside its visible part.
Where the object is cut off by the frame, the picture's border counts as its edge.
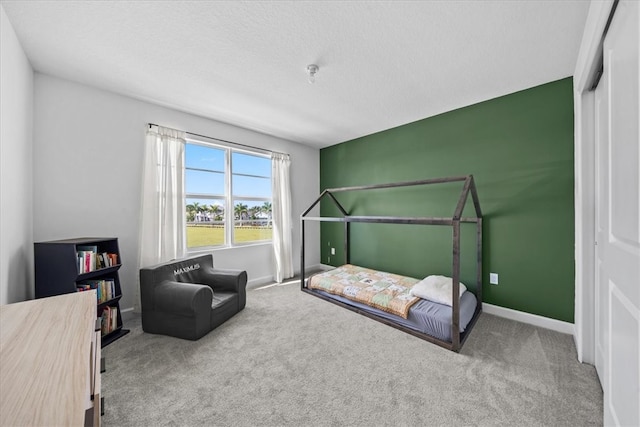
(188, 298)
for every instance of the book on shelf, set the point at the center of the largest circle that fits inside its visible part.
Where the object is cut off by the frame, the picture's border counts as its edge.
(114, 319)
(86, 261)
(104, 260)
(109, 320)
(105, 288)
(89, 259)
(104, 320)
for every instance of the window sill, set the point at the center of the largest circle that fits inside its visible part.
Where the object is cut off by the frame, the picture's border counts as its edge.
(226, 248)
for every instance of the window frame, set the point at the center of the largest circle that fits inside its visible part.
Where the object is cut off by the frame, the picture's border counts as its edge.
(228, 197)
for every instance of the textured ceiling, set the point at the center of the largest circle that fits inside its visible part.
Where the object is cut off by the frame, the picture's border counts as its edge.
(382, 64)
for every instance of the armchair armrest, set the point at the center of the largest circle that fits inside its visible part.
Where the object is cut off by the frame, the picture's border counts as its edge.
(182, 298)
(224, 280)
(227, 281)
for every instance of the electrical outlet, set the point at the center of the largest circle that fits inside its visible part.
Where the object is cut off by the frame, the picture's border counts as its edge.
(333, 251)
(493, 278)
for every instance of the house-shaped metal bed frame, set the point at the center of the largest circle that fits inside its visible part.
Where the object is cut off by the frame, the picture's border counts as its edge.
(457, 338)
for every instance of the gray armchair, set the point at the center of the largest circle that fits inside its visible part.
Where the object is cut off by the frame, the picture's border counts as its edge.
(188, 298)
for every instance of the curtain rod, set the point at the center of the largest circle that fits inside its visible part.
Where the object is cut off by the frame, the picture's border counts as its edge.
(229, 142)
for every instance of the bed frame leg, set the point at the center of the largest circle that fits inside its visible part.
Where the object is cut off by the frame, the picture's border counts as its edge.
(302, 254)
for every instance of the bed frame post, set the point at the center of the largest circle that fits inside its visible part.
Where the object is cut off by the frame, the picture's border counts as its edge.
(479, 267)
(455, 309)
(302, 253)
(347, 246)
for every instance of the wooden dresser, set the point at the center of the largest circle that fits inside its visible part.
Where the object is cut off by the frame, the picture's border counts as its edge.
(50, 362)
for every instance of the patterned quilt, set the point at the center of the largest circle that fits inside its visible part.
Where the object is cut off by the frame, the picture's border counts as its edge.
(385, 291)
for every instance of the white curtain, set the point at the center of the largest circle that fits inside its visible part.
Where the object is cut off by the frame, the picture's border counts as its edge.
(282, 224)
(162, 218)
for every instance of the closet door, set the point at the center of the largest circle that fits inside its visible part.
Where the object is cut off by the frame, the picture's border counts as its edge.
(602, 291)
(618, 219)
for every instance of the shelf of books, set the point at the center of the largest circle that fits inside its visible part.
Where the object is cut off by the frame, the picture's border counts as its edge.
(80, 265)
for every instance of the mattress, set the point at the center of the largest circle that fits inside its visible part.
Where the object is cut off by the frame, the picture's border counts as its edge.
(424, 316)
(385, 291)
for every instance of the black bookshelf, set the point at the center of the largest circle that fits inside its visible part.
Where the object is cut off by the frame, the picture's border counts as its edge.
(58, 271)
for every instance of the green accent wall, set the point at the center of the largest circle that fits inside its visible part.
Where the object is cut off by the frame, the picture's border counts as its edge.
(519, 149)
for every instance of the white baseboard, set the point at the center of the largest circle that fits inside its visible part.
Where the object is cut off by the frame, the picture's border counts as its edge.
(531, 319)
(519, 316)
(265, 280)
(128, 314)
(260, 281)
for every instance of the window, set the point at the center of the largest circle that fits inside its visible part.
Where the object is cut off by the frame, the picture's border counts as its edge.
(228, 196)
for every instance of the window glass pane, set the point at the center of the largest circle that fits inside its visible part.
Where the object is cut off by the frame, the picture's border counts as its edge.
(207, 193)
(202, 157)
(199, 182)
(205, 222)
(252, 221)
(250, 186)
(251, 165)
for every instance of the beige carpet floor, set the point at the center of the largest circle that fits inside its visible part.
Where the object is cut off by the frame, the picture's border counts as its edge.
(290, 359)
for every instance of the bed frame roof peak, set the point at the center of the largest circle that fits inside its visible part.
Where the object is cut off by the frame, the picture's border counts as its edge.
(468, 187)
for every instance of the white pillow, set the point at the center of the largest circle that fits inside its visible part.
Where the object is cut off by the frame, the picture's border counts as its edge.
(436, 288)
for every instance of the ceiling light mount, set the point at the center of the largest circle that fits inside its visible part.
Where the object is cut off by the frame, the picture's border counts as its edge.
(312, 69)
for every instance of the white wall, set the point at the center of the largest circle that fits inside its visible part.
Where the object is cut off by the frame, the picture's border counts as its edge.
(16, 142)
(88, 148)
